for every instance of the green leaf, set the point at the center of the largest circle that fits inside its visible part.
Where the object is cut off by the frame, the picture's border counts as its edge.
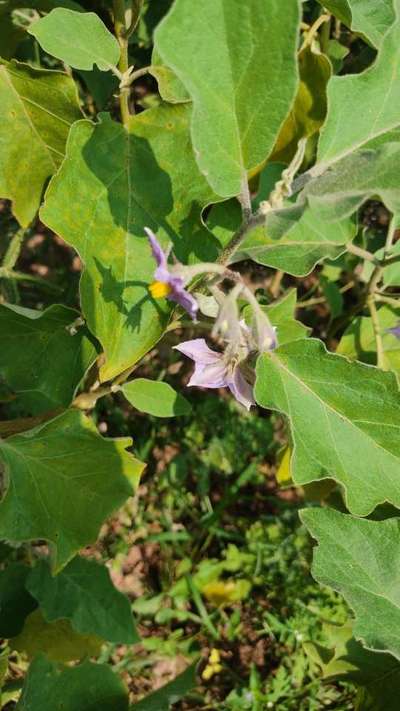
(371, 96)
(155, 398)
(170, 87)
(162, 699)
(127, 181)
(64, 480)
(38, 107)
(309, 109)
(79, 39)
(41, 359)
(359, 559)
(15, 601)
(371, 18)
(377, 674)
(84, 594)
(221, 51)
(55, 639)
(343, 418)
(49, 687)
(359, 342)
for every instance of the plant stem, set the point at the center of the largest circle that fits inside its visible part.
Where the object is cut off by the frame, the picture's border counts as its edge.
(123, 64)
(239, 236)
(362, 253)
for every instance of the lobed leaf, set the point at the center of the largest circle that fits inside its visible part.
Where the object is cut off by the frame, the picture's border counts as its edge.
(84, 594)
(360, 559)
(15, 601)
(344, 420)
(63, 479)
(371, 18)
(221, 51)
(127, 181)
(38, 108)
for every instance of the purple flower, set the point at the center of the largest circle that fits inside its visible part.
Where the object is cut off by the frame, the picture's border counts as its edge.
(167, 281)
(395, 331)
(217, 370)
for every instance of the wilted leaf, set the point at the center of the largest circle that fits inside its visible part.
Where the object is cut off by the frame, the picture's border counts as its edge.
(359, 559)
(38, 107)
(79, 39)
(344, 420)
(41, 359)
(221, 51)
(84, 594)
(127, 181)
(155, 398)
(49, 687)
(64, 480)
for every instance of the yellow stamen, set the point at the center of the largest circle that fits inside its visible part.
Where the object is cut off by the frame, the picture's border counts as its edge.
(159, 289)
(214, 657)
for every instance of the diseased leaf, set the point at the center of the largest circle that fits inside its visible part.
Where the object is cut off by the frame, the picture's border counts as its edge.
(79, 39)
(359, 559)
(371, 96)
(84, 594)
(371, 18)
(56, 639)
(162, 699)
(15, 601)
(127, 181)
(309, 108)
(155, 398)
(49, 687)
(42, 360)
(221, 50)
(38, 108)
(64, 480)
(344, 420)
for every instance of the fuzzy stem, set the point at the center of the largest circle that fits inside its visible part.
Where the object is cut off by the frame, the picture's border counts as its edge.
(123, 65)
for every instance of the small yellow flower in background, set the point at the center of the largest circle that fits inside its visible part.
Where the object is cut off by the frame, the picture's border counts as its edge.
(213, 667)
(223, 592)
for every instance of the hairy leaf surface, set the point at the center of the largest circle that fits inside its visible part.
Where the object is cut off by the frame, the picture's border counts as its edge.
(221, 50)
(371, 18)
(360, 559)
(344, 420)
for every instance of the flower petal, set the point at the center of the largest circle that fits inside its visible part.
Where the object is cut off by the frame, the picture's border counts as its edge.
(183, 297)
(241, 389)
(198, 350)
(158, 252)
(395, 331)
(209, 376)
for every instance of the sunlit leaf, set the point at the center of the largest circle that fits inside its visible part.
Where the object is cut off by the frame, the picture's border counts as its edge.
(359, 559)
(155, 398)
(127, 181)
(359, 341)
(371, 18)
(38, 108)
(344, 420)
(79, 39)
(170, 87)
(222, 51)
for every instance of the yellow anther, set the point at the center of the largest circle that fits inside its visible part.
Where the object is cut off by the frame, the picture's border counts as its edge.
(159, 289)
(208, 672)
